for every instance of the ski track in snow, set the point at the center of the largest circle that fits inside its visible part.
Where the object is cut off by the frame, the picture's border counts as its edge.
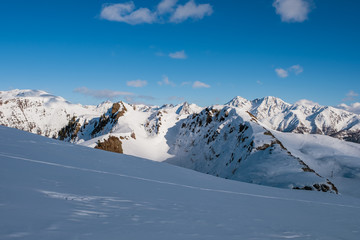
(171, 183)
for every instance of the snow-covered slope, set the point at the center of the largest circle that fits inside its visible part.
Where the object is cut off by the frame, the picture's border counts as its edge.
(331, 158)
(56, 190)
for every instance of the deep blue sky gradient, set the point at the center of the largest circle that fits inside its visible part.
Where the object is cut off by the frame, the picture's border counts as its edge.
(58, 46)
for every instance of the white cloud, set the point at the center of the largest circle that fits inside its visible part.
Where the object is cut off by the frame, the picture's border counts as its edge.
(166, 6)
(166, 81)
(102, 94)
(198, 84)
(139, 99)
(191, 10)
(293, 10)
(355, 107)
(137, 83)
(185, 83)
(281, 72)
(350, 96)
(306, 103)
(297, 69)
(178, 55)
(166, 10)
(284, 73)
(176, 98)
(125, 12)
(259, 82)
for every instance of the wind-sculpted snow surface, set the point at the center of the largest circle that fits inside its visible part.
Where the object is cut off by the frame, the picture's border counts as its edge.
(56, 190)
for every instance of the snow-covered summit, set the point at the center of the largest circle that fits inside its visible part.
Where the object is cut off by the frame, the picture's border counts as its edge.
(239, 102)
(31, 94)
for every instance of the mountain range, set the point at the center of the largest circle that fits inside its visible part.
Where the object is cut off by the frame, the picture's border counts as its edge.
(264, 141)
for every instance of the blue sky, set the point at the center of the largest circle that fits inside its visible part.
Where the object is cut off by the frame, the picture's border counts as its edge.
(201, 51)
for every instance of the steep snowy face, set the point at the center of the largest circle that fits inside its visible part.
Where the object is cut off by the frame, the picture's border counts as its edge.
(229, 143)
(268, 107)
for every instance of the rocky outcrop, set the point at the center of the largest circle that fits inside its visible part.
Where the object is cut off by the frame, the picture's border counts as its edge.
(112, 144)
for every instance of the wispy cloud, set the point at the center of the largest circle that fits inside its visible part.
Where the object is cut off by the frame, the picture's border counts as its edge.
(191, 10)
(102, 94)
(354, 108)
(166, 81)
(185, 83)
(166, 11)
(166, 6)
(178, 55)
(284, 73)
(176, 98)
(297, 69)
(350, 96)
(160, 54)
(293, 10)
(137, 83)
(125, 12)
(198, 84)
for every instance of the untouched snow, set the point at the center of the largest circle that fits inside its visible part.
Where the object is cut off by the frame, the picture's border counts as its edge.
(56, 190)
(334, 159)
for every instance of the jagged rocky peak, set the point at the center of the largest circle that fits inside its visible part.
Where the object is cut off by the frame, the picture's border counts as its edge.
(239, 102)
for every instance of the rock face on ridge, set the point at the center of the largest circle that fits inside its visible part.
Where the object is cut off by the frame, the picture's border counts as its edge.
(229, 143)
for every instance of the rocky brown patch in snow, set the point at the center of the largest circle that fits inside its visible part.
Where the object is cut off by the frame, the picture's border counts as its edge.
(112, 144)
(115, 113)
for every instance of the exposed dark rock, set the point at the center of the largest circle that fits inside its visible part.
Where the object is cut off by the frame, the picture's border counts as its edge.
(112, 144)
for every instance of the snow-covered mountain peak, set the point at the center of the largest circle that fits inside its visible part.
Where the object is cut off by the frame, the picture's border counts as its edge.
(186, 108)
(30, 94)
(270, 101)
(239, 102)
(268, 106)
